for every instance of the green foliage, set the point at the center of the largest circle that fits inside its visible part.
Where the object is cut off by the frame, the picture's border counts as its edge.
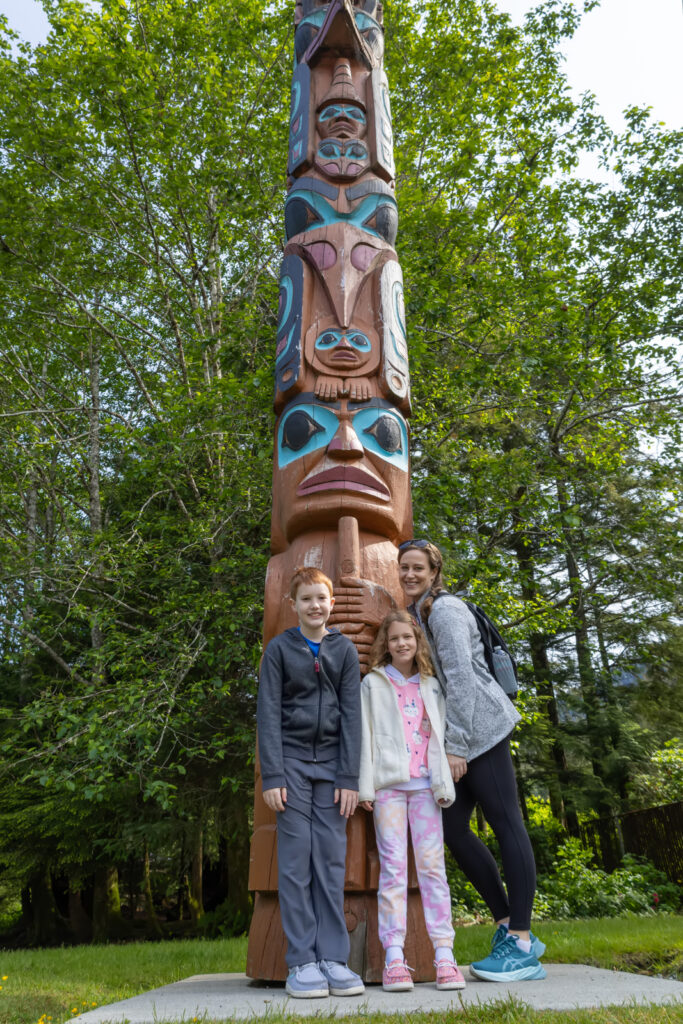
(661, 781)
(142, 177)
(139, 267)
(545, 832)
(224, 922)
(569, 883)
(577, 889)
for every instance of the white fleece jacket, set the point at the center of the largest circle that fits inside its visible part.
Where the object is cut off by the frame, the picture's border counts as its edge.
(384, 760)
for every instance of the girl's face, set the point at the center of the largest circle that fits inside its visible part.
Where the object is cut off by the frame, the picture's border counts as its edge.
(402, 645)
(415, 573)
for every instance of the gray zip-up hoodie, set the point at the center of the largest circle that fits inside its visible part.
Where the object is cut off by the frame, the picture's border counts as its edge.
(309, 707)
(478, 713)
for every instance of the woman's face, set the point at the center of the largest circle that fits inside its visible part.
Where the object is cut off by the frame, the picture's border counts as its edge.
(415, 573)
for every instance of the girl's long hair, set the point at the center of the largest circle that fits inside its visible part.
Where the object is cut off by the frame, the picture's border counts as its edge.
(435, 560)
(379, 652)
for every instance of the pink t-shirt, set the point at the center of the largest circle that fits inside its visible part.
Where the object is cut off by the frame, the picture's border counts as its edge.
(416, 726)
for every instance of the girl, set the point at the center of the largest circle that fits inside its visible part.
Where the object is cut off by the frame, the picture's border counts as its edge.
(479, 721)
(405, 774)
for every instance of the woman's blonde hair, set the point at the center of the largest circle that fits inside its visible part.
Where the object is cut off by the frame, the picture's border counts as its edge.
(379, 652)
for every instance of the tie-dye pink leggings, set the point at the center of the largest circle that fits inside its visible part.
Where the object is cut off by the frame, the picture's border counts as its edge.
(393, 810)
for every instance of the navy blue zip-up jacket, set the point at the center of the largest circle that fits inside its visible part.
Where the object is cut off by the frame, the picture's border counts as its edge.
(309, 707)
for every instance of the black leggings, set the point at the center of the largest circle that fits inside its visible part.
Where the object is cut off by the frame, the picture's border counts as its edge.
(490, 782)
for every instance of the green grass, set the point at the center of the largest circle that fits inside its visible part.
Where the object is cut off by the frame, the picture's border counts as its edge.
(505, 1011)
(50, 984)
(54, 982)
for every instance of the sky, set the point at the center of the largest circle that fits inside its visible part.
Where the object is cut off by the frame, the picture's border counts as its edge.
(626, 52)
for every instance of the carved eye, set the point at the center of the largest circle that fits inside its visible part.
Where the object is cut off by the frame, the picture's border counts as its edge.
(327, 340)
(299, 215)
(386, 433)
(357, 151)
(384, 221)
(298, 431)
(329, 149)
(359, 341)
(329, 112)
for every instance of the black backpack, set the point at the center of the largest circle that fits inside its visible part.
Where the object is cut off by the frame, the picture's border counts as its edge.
(499, 659)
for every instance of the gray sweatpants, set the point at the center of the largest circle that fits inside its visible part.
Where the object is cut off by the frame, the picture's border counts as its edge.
(311, 852)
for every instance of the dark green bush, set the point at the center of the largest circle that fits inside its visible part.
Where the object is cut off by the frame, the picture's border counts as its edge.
(574, 887)
(225, 922)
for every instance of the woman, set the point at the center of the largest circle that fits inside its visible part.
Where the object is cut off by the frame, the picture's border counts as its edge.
(479, 721)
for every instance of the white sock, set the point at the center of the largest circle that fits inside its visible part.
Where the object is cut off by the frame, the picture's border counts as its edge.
(394, 953)
(444, 953)
(523, 944)
(505, 926)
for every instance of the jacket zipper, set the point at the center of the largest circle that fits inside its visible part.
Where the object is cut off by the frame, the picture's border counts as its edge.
(320, 700)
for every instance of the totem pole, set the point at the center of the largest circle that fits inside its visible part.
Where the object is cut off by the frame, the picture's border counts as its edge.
(341, 486)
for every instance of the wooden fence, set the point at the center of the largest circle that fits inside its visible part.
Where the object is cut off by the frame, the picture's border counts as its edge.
(655, 833)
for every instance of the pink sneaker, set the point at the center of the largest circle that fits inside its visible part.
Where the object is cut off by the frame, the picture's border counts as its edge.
(396, 977)
(448, 975)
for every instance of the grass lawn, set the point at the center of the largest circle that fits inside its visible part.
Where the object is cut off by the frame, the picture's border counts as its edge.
(52, 985)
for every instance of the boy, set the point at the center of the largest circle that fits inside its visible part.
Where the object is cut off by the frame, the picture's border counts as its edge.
(309, 728)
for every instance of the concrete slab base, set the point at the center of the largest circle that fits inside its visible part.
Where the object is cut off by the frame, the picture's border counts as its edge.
(234, 996)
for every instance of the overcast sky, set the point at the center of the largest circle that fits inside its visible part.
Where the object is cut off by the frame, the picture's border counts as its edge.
(626, 52)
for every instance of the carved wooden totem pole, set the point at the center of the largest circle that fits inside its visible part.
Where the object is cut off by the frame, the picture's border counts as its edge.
(341, 486)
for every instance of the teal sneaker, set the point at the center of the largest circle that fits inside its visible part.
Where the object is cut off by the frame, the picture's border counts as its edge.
(537, 946)
(507, 962)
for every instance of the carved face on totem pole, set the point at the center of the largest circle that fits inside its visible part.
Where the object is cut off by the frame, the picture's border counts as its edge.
(342, 384)
(310, 18)
(340, 458)
(342, 125)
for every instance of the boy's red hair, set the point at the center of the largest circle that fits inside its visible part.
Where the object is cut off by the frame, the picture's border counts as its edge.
(305, 575)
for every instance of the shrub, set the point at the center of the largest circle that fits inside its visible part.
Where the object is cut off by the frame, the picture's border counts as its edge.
(575, 888)
(225, 922)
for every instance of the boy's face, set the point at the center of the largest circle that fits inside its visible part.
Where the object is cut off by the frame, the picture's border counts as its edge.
(313, 605)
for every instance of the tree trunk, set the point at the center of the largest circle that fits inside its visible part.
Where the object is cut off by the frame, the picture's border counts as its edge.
(596, 732)
(559, 791)
(236, 853)
(94, 499)
(196, 878)
(153, 926)
(47, 927)
(78, 919)
(108, 924)
(521, 788)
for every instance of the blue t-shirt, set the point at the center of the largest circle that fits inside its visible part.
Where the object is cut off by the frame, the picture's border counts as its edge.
(315, 647)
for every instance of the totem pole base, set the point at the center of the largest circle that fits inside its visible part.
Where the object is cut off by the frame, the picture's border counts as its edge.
(267, 943)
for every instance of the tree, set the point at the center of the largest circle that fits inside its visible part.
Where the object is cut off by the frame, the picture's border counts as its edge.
(142, 185)
(139, 264)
